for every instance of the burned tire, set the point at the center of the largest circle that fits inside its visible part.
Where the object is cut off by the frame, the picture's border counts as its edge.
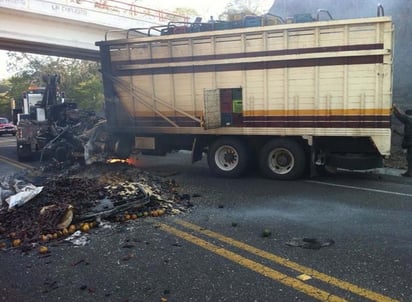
(282, 159)
(62, 152)
(227, 157)
(23, 152)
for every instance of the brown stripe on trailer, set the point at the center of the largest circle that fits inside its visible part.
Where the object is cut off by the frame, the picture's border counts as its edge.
(317, 124)
(346, 60)
(349, 118)
(253, 54)
(280, 121)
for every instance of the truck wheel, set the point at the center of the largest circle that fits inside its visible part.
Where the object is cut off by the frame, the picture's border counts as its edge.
(23, 152)
(282, 159)
(227, 157)
(62, 152)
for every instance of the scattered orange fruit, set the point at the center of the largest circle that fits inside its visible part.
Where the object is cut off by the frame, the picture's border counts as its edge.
(43, 249)
(85, 227)
(16, 242)
(72, 228)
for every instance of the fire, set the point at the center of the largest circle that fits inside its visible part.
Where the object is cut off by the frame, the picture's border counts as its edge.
(129, 161)
(116, 160)
(132, 161)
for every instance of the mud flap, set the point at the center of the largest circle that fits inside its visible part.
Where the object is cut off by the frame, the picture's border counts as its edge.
(197, 150)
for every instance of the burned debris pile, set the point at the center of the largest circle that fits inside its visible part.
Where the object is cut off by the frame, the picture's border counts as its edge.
(81, 199)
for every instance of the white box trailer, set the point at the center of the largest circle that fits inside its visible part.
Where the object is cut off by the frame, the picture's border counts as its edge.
(287, 96)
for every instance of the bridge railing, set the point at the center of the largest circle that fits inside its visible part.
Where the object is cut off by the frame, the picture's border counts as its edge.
(112, 13)
(130, 10)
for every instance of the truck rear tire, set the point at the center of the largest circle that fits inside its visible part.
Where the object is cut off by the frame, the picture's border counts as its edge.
(227, 157)
(282, 159)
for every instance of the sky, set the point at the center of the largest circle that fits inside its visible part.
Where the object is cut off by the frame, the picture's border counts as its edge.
(204, 8)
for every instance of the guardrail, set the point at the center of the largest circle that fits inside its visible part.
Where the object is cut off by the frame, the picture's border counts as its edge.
(113, 13)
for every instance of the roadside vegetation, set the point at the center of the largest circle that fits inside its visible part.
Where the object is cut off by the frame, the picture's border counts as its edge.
(80, 82)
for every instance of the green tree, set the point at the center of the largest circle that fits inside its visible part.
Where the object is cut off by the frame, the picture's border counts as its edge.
(242, 8)
(5, 105)
(88, 94)
(11, 91)
(80, 80)
(190, 13)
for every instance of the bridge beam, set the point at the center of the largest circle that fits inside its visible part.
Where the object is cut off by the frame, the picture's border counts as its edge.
(49, 49)
(20, 31)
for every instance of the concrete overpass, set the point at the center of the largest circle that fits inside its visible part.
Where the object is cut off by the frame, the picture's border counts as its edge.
(69, 28)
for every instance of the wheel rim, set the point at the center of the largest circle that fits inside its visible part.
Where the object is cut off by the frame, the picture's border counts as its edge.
(281, 161)
(226, 158)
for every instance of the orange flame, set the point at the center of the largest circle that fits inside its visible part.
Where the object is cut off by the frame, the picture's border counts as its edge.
(116, 160)
(132, 161)
(129, 161)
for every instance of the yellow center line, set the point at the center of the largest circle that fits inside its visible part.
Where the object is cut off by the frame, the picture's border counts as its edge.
(290, 264)
(15, 163)
(254, 266)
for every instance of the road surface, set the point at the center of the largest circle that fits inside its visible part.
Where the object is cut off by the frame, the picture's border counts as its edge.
(232, 245)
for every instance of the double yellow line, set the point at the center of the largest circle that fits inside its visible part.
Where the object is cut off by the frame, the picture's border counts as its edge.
(268, 272)
(14, 163)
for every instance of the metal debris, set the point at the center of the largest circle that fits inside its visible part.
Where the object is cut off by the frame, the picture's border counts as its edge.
(23, 195)
(78, 238)
(310, 243)
(80, 198)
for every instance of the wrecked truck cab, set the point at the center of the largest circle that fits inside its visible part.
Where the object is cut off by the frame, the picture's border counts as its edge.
(29, 139)
(101, 144)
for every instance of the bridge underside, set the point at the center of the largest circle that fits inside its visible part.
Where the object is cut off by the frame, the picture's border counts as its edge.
(24, 32)
(49, 49)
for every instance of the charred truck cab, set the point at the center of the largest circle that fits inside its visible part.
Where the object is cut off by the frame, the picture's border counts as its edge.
(287, 95)
(43, 119)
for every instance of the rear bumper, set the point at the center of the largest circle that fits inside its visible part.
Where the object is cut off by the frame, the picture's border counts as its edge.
(8, 131)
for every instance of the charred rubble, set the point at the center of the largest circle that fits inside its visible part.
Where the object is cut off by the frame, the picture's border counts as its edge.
(81, 198)
(76, 187)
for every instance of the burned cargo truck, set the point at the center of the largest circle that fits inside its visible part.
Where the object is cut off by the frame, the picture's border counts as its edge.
(287, 96)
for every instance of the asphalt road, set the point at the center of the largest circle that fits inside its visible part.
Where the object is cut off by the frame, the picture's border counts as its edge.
(217, 251)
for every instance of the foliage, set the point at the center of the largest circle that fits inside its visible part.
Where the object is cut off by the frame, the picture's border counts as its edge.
(241, 7)
(80, 80)
(11, 91)
(187, 12)
(5, 106)
(88, 94)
